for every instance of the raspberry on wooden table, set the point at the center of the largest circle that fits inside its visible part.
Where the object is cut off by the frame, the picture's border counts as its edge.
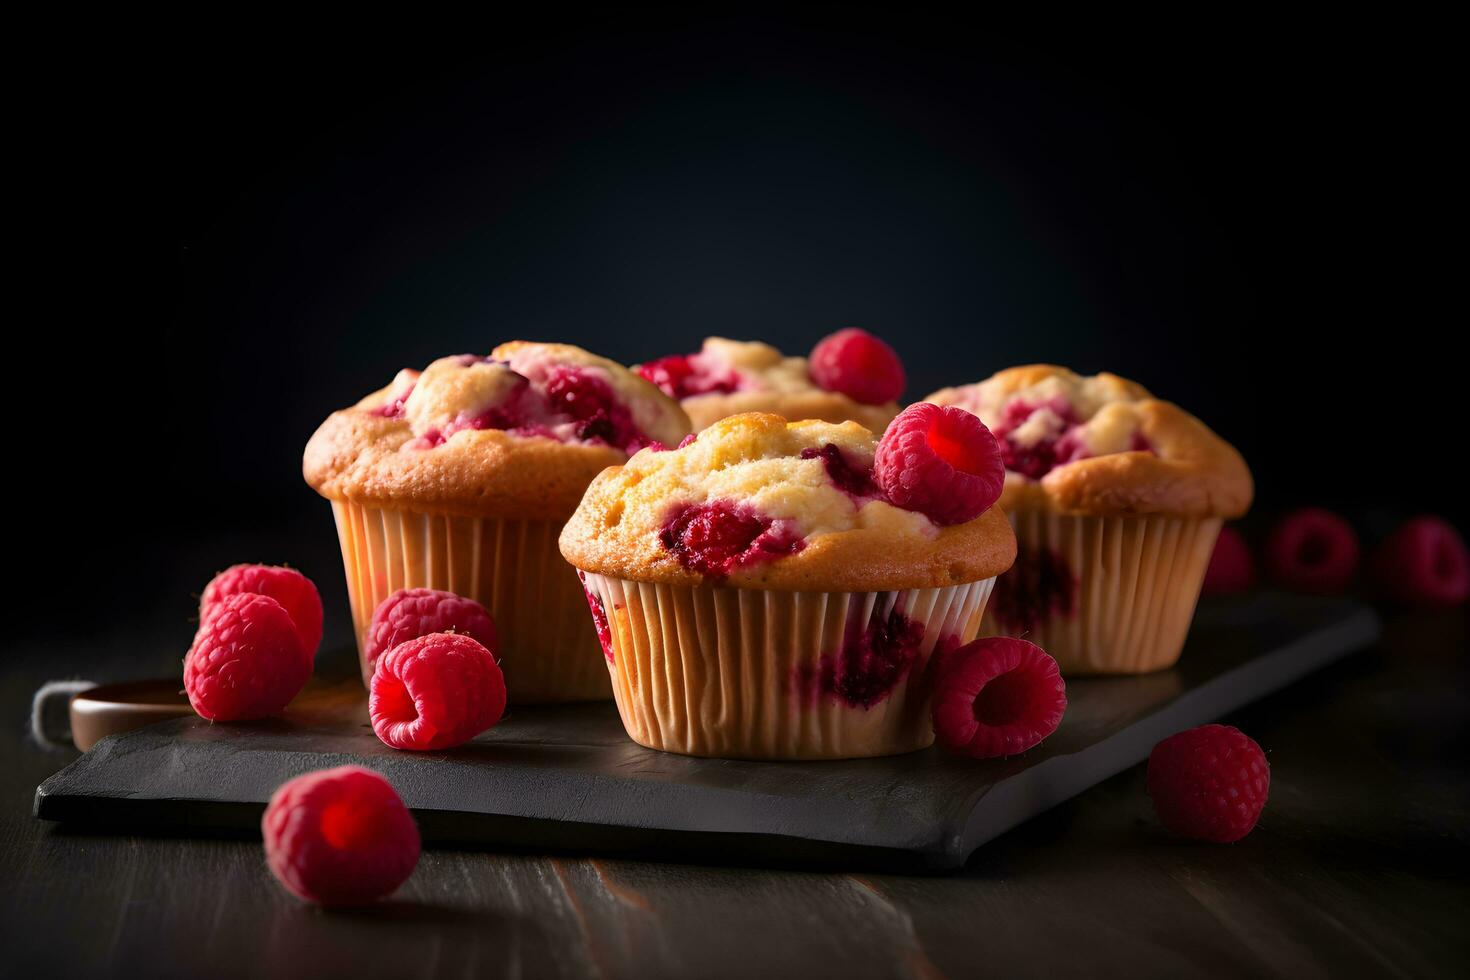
(997, 696)
(339, 836)
(435, 692)
(1424, 563)
(1313, 550)
(246, 661)
(941, 462)
(411, 613)
(1231, 569)
(1209, 783)
(287, 586)
(854, 363)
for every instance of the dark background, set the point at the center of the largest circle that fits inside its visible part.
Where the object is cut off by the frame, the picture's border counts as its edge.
(244, 230)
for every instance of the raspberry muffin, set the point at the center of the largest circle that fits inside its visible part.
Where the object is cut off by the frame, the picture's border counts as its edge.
(778, 590)
(460, 478)
(1117, 499)
(851, 375)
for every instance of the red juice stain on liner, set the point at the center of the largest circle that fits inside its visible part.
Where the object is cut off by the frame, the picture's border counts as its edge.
(599, 617)
(1037, 587)
(871, 662)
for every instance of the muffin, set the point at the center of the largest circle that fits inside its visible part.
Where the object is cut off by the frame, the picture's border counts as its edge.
(1117, 499)
(759, 596)
(461, 477)
(728, 377)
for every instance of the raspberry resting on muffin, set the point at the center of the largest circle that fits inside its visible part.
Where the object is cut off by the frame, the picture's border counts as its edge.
(728, 377)
(526, 427)
(760, 502)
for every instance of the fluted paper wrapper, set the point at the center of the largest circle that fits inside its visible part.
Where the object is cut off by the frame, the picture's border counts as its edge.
(752, 674)
(548, 648)
(1103, 595)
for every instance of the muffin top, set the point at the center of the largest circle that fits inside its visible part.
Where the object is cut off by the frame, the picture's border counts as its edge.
(758, 502)
(727, 377)
(1102, 445)
(518, 434)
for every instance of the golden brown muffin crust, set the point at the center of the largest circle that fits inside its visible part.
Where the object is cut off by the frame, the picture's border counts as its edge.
(360, 454)
(849, 545)
(1190, 472)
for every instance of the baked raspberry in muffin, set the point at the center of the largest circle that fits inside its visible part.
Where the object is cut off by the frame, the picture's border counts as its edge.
(727, 377)
(764, 598)
(460, 478)
(1117, 498)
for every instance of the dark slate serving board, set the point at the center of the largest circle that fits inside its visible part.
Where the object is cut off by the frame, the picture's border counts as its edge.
(568, 778)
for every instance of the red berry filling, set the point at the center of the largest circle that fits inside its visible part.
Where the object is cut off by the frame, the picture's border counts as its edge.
(435, 692)
(1065, 444)
(997, 697)
(1424, 563)
(569, 403)
(599, 617)
(855, 363)
(1231, 570)
(1040, 457)
(941, 462)
(408, 614)
(1209, 783)
(687, 375)
(870, 663)
(339, 836)
(589, 401)
(393, 407)
(1313, 550)
(715, 538)
(1037, 587)
(855, 481)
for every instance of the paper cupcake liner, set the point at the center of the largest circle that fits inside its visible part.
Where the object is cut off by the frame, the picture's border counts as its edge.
(548, 649)
(746, 673)
(1103, 595)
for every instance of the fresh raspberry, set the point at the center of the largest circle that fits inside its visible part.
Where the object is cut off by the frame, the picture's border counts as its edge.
(339, 836)
(285, 585)
(411, 613)
(713, 538)
(1424, 563)
(855, 481)
(1231, 570)
(246, 661)
(1209, 783)
(1313, 550)
(435, 692)
(858, 365)
(997, 697)
(686, 375)
(941, 462)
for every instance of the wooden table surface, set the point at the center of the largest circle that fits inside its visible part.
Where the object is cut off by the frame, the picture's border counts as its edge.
(1357, 868)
